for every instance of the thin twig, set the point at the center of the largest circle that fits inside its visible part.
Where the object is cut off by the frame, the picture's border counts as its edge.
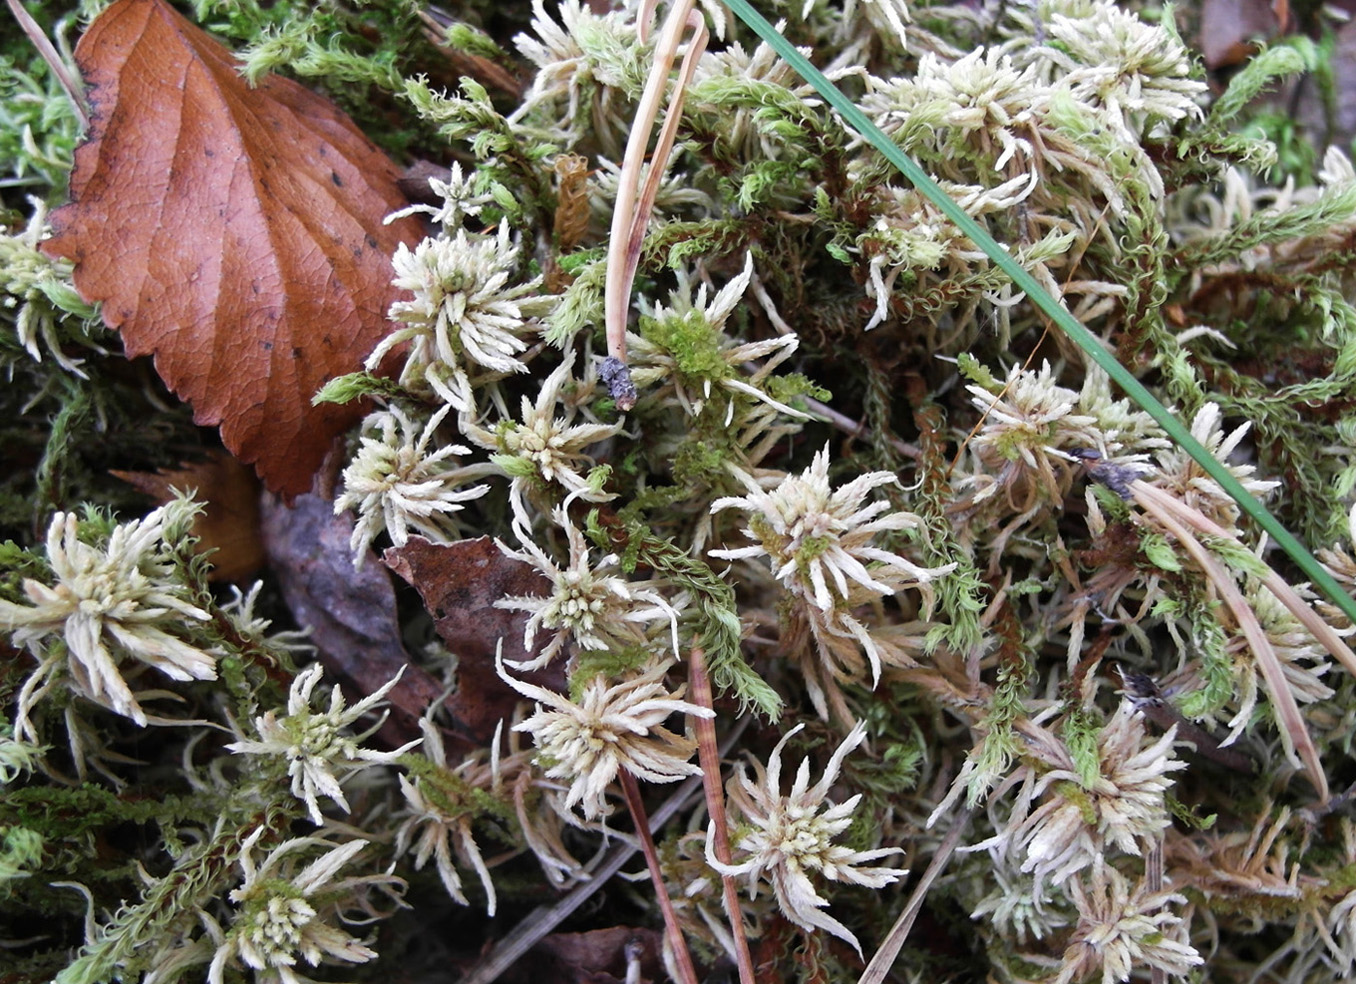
(709, 757)
(545, 918)
(855, 428)
(75, 89)
(885, 955)
(687, 973)
(436, 22)
(1148, 699)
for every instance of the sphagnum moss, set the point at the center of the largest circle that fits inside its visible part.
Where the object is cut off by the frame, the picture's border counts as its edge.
(992, 581)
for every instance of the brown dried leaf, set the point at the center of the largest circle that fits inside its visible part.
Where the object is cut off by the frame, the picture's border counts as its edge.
(460, 583)
(233, 232)
(352, 614)
(229, 524)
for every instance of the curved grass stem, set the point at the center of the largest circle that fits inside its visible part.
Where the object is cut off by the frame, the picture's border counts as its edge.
(1294, 734)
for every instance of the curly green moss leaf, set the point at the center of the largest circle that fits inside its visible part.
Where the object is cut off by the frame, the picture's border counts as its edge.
(462, 37)
(21, 852)
(356, 386)
(718, 627)
(581, 306)
(1159, 552)
(1262, 70)
(1080, 732)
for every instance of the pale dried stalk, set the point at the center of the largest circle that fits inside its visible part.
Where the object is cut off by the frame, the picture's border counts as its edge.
(709, 757)
(75, 89)
(664, 145)
(1273, 582)
(1294, 735)
(632, 211)
(1153, 878)
(884, 957)
(687, 973)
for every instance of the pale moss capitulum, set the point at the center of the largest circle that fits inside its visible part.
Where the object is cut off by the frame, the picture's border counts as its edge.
(17, 758)
(119, 599)
(1021, 455)
(783, 839)
(435, 823)
(254, 628)
(821, 545)
(583, 56)
(1017, 905)
(1139, 73)
(611, 727)
(469, 313)
(397, 484)
(818, 538)
(687, 353)
(318, 752)
(547, 446)
(1075, 823)
(1340, 562)
(460, 201)
(1121, 929)
(983, 100)
(285, 915)
(589, 603)
(39, 290)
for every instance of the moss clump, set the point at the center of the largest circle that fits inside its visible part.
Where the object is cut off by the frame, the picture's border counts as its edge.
(861, 475)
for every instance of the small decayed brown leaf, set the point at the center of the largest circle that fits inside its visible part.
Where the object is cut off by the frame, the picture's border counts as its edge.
(229, 524)
(459, 583)
(235, 233)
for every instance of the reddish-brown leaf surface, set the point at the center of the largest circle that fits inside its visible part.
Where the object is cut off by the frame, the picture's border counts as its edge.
(460, 583)
(234, 233)
(229, 524)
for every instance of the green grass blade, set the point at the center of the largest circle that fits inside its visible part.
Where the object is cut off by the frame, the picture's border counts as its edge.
(1042, 299)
